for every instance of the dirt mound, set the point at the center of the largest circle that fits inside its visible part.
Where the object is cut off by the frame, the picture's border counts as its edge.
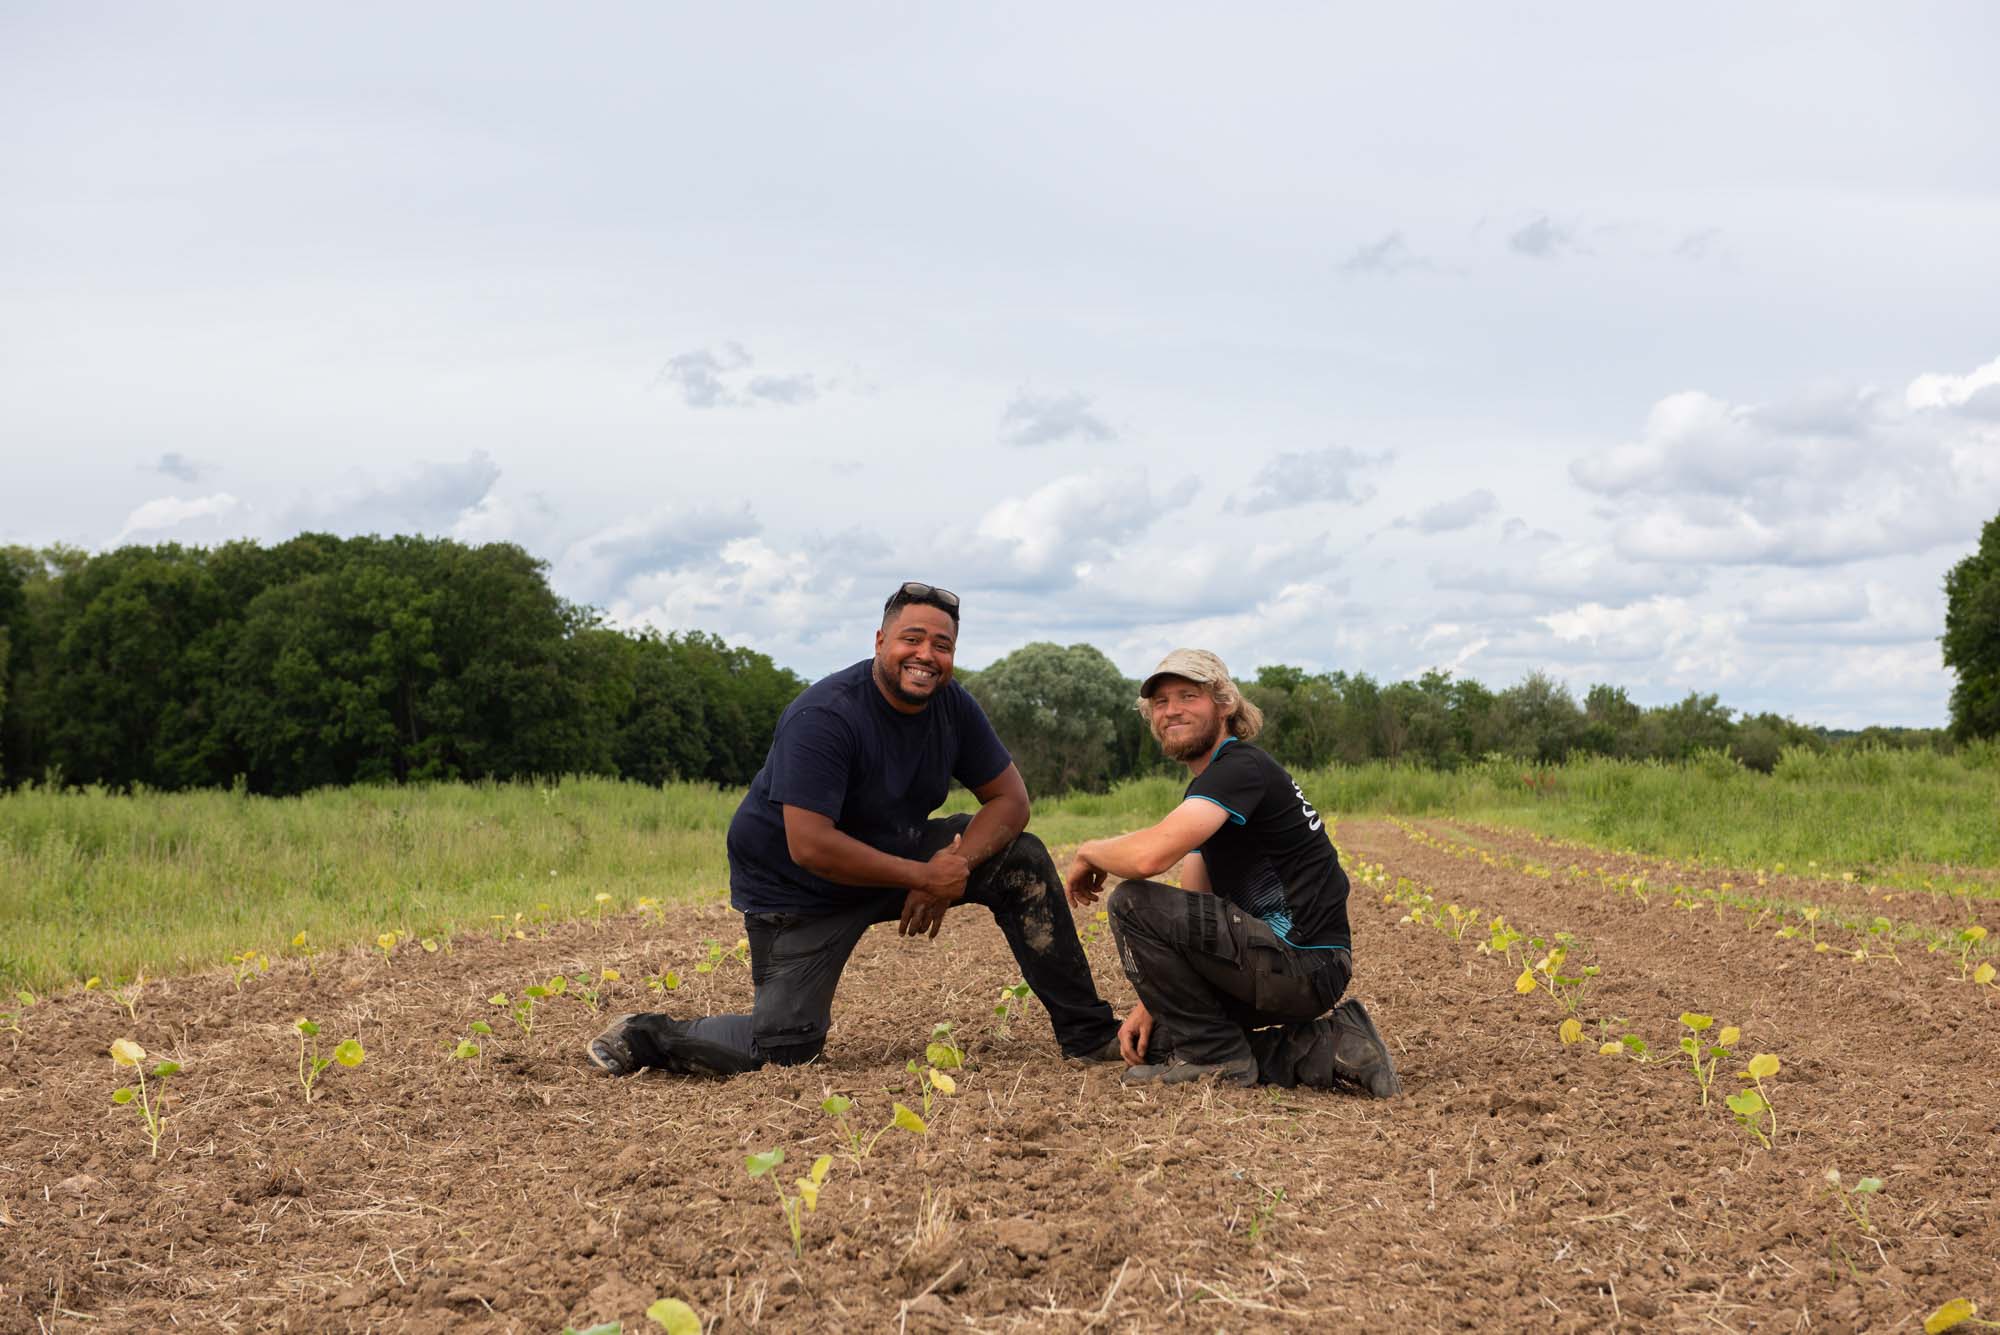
(1519, 1182)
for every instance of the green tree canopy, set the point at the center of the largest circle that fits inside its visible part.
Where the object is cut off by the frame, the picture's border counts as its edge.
(1056, 710)
(1972, 637)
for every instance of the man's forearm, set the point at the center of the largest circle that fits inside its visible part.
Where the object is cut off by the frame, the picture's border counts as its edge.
(845, 860)
(993, 827)
(1132, 857)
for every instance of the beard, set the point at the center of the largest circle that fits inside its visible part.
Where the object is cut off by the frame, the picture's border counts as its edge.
(892, 682)
(1190, 745)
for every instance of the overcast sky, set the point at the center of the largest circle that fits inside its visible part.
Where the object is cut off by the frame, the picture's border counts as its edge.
(1648, 345)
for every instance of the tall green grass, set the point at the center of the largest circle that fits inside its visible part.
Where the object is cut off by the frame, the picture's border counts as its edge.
(96, 883)
(104, 884)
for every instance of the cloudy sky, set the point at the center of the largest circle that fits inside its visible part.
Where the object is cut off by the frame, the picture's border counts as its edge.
(1649, 345)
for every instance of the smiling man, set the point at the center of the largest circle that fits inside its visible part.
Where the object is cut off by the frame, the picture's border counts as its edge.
(835, 835)
(1238, 968)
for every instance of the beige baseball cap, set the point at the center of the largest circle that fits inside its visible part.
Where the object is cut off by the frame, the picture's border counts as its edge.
(1193, 664)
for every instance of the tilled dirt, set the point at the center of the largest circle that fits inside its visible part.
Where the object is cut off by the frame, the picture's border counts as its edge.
(1518, 1183)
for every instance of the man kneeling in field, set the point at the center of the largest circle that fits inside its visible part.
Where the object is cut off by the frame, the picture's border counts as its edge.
(1239, 968)
(836, 835)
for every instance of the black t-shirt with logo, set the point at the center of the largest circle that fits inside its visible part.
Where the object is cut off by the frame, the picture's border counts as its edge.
(1272, 857)
(876, 773)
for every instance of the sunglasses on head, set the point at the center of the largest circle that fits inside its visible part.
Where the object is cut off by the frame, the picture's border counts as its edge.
(914, 592)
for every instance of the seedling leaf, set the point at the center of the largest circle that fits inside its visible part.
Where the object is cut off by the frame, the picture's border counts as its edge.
(349, 1053)
(759, 1164)
(909, 1121)
(1763, 1066)
(124, 1052)
(1956, 1312)
(1748, 1104)
(674, 1316)
(122, 1096)
(1571, 1031)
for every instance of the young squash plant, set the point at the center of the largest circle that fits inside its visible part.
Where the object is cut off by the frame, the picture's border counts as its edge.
(347, 1053)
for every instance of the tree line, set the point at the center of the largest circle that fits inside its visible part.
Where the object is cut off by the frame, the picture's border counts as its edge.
(325, 661)
(329, 661)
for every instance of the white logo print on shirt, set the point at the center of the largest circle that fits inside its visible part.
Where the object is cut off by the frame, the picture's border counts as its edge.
(1312, 817)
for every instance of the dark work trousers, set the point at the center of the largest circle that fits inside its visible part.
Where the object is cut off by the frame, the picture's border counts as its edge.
(796, 960)
(1219, 983)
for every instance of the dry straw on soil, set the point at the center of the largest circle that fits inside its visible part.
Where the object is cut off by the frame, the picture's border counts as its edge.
(1518, 1183)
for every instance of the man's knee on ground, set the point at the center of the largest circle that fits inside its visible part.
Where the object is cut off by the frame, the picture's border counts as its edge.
(792, 1047)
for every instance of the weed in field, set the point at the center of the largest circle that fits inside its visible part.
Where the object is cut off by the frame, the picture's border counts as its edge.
(124, 1052)
(1267, 1209)
(1704, 1059)
(347, 1053)
(807, 1198)
(1013, 999)
(1752, 1107)
(245, 963)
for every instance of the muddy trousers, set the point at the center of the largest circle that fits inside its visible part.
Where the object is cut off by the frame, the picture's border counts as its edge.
(796, 961)
(1221, 985)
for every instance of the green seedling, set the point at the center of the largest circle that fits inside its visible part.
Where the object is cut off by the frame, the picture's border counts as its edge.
(603, 902)
(1854, 1200)
(1273, 1198)
(1968, 940)
(1462, 921)
(1883, 932)
(124, 1052)
(664, 982)
(1705, 1058)
(859, 1147)
(1501, 939)
(386, 943)
(585, 988)
(931, 1081)
(941, 1051)
(347, 1053)
(1553, 974)
(714, 957)
(1752, 1107)
(1983, 975)
(1013, 999)
(674, 1317)
(304, 952)
(127, 996)
(794, 1207)
(522, 1012)
(467, 1049)
(241, 966)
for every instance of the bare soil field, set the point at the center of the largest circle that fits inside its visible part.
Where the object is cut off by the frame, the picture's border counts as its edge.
(1519, 1183)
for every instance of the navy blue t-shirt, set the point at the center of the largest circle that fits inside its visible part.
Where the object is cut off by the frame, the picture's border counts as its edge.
(1272, 857)
(878, 774)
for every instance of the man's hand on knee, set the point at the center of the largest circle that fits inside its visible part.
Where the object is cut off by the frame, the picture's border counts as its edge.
(945, 874)
(923, 915)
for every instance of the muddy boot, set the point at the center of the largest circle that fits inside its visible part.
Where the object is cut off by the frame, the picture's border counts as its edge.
(638, 1042)
(1339, 1049)
(1359, 1056)
(1237, 1071)
(611, 1051)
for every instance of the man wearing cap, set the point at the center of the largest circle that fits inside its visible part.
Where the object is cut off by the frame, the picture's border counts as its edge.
(835, 835)
(1238, 969)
